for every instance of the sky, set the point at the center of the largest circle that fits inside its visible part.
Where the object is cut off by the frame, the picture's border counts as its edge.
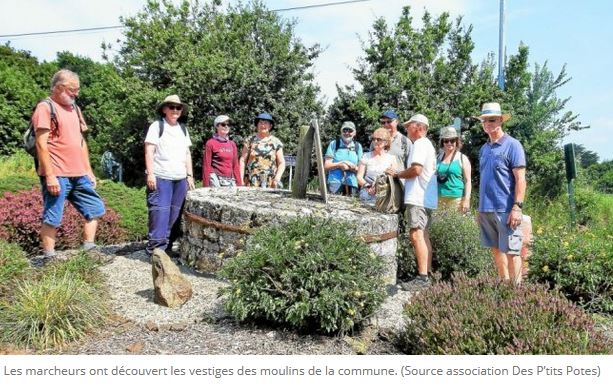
(572, 33)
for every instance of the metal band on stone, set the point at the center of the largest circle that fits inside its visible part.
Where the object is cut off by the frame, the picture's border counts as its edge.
(368, 239)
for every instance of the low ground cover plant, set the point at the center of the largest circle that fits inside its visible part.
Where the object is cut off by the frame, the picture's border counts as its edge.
(130, 204)
(20, 220)
(483, 316)
(311, 275)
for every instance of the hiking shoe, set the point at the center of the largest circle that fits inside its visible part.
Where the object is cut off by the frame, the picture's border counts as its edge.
(419, 283)
(99, 256)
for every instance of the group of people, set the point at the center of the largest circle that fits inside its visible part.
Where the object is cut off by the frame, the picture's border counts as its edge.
(439, 180)
(429, 180)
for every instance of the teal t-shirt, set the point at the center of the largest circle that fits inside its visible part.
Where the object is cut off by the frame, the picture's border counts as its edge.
(351, 153)
(454, 186)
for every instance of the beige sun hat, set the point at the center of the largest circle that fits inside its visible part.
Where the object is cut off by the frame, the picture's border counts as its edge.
(492, 109)
(448, 132)
(174, 100)
(419, 118)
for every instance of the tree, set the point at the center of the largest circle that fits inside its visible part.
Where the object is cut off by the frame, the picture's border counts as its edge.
(239, 62)
(23, 82)
(540, 120)
(585, 157)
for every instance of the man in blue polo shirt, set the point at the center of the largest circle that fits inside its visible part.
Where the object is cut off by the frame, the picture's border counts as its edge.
(341, 162)
(502, 164)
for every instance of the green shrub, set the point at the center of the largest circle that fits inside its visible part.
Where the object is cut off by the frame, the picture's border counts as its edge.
(579, 263)
(13, 264)
(308, 274)
(483, 316)
(18, 164)
(130, 204)
(456, 247)
(51, 311)
(13, 184)
(80, 266)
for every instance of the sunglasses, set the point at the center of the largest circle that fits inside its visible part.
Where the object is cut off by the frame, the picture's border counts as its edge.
(347, 130)
(452, 140)
(175, 107)
(224, 124)
(491, 120)
(385, 121)
(378, 140)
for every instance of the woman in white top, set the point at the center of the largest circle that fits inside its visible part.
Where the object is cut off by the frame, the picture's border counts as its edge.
(374, 163)
(169, 171)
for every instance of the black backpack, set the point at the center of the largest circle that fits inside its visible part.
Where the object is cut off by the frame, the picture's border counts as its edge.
(183, 128)
(29, 138)
(337, 145)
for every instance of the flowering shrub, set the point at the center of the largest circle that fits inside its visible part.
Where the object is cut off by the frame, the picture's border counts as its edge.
(456, 247)
(579, 263)
(308, 275)
(482, 316)
(20, 221)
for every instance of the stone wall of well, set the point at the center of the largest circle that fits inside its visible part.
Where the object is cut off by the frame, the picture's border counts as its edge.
(217, 222)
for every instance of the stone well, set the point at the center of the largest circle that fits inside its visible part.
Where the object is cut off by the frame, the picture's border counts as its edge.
(217, 222)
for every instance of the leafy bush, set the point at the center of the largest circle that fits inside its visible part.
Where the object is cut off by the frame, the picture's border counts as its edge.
(20, 221)
(308, 274)
(56, 309)
(130, 203)
(81, 267)
(483, 316)
(579, 263)
(17, 183)
(13, 264)
(18, 164)
(456, 247)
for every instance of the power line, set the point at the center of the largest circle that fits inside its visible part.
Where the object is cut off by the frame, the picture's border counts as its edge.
(121, 26)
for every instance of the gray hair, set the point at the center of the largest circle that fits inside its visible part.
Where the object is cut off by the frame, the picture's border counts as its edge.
(61, 77)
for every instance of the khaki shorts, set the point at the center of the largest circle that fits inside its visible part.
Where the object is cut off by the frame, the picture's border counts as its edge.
(495, 233)
(418, 217)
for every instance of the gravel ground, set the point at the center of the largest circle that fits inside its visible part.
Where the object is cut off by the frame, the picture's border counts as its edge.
(201, 326)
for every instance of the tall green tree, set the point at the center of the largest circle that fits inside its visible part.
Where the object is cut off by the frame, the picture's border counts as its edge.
(238, 62)
(427, 70)
(540, 120)
(23, 82)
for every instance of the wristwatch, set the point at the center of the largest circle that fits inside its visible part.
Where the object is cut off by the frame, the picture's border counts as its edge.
(520, 204)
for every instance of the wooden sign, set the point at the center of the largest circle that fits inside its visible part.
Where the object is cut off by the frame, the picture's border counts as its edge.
(309, 137)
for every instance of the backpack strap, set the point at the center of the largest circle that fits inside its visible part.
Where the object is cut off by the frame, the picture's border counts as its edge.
(161, 131)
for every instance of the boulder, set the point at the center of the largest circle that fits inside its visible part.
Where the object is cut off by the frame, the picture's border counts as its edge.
(170, 287)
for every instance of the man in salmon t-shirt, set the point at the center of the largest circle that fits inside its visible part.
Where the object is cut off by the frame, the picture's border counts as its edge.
(63, 163)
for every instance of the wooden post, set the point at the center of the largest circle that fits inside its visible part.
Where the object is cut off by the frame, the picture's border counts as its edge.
(303, 162)
(320, 161)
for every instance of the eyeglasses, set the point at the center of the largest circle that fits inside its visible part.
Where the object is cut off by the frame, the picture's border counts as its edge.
(347, 130)
(449, 140)
(73, 90)
(491, 120)
(224, 124)
(379, 139)
(175, 107)
(385, 121)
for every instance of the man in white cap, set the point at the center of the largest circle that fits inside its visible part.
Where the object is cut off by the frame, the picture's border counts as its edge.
(420, 194)
(502, 165)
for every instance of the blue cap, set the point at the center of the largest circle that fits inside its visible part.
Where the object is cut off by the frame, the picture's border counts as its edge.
(391, 114)
(264, 117)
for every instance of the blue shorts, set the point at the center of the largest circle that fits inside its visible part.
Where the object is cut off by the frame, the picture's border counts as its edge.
(79, 191)
(495, 233)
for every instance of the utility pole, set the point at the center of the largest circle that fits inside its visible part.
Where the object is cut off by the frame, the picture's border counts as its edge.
(501, 47)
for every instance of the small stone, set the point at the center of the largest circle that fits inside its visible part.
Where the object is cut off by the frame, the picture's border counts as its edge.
(178, 327)
(136, 347)
(152, 326)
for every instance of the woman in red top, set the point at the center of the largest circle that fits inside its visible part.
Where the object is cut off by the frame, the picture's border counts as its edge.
(220, 165)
